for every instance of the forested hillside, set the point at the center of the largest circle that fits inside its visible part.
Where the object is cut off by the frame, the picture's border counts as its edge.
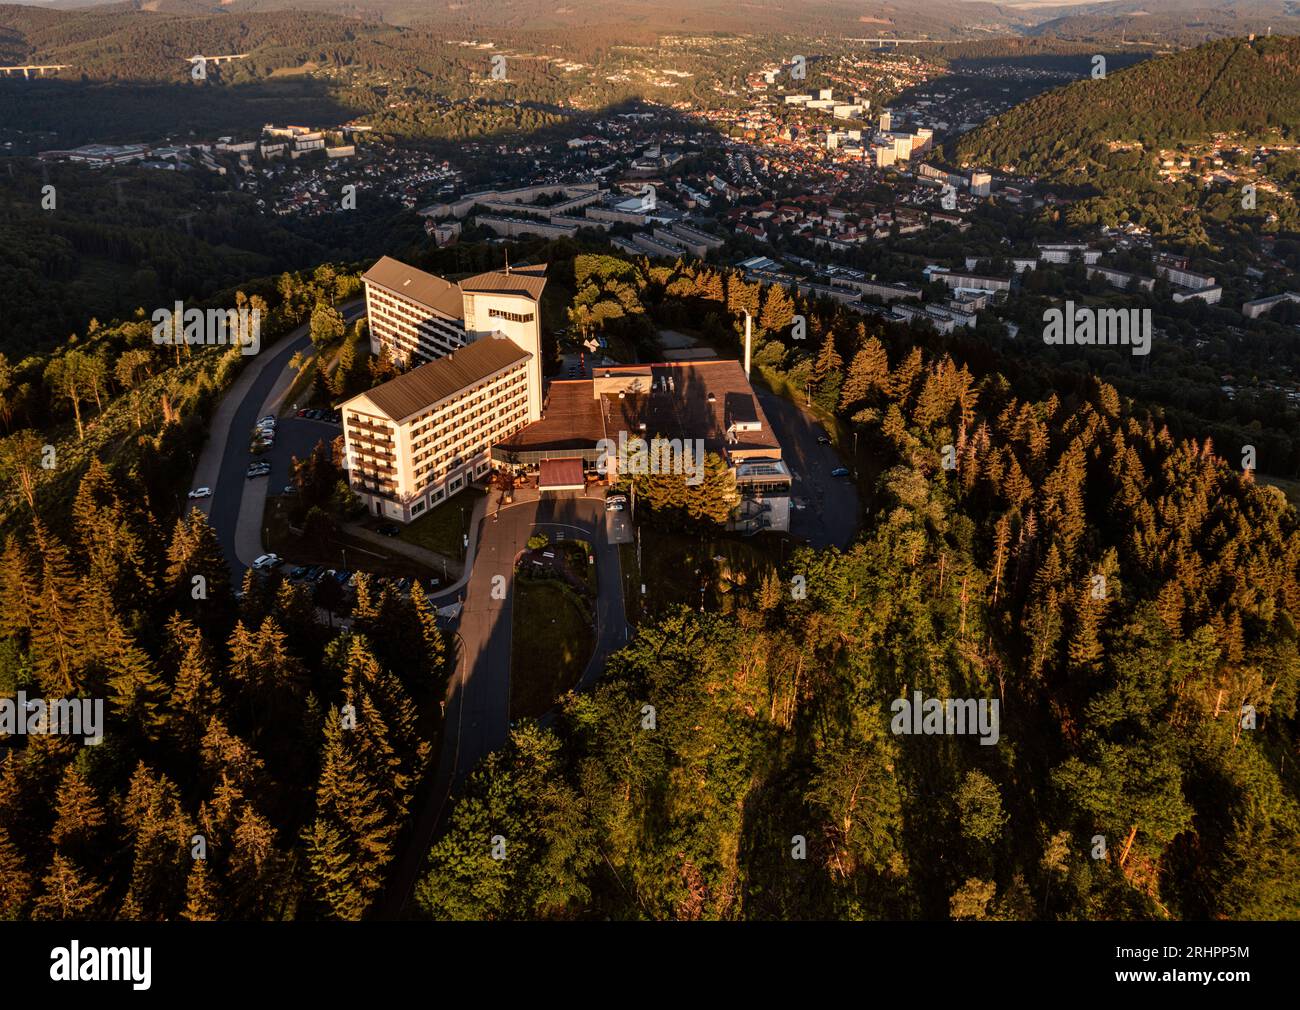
(239, 725)
(1233, 85)
(143, 238)
(1123, 785)
(1143, 766)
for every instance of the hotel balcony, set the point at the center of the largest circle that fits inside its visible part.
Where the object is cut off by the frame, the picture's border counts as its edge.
(377, 433)
(373, 484)
(372, 458)
(380, 470)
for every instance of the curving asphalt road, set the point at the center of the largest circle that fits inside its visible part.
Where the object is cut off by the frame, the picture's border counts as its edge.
(478, 697)
(235, 508)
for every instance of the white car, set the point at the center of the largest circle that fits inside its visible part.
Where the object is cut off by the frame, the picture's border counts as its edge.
(201, 492)
(266, 561)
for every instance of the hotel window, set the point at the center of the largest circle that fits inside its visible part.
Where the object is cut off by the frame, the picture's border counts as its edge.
(417, 508)
(514, 317)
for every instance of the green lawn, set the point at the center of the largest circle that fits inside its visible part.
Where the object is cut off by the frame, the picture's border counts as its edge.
(442, 528)
(361, 555)
(551, 642)
(676, 566)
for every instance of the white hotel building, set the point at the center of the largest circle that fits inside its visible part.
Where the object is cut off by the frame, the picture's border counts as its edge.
(476, 351)
(473, 399)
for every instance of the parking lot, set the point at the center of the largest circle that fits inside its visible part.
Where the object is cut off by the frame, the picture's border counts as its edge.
(825, 509)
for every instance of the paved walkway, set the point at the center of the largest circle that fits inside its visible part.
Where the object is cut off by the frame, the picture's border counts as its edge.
(430, 559)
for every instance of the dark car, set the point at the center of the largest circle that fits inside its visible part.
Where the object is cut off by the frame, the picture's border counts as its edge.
(840, 471)
(298, 572)
(342, 576)
(403, 585)
(389, 530)
(823, 439)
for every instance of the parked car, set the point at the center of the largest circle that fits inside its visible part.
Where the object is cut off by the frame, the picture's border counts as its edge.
(403, 585)
(298, 572)
(290, 489)
(266, 561)
(269, 419)
(201, 492)
(336, 416)
(389, 530)
(314, 573)
(302, 413)
(840, 471)
(615, 506)
(823, 439)
(342, 576)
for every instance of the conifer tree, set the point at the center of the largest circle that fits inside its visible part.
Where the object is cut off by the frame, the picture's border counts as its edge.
(15, 880)
(79, 815)
(68, 893)
(350, 842)
(58, 634)
(160, 835)
(202, 898)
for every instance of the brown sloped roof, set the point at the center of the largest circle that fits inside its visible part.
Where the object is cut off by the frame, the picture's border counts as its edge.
(519, 281)
(421, 387)
(434, 292)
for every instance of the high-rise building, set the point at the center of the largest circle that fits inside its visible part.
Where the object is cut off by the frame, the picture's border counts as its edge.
(476, 348)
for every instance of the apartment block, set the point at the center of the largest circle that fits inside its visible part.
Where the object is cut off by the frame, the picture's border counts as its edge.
(1121, 279)
(971, 282)
(1184, 278)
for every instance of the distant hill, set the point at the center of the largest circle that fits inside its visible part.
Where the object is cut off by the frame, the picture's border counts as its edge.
(1171, 22)
(124, 42)
(1232, 85)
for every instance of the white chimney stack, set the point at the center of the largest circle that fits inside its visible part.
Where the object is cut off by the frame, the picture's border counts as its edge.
(748, 337)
